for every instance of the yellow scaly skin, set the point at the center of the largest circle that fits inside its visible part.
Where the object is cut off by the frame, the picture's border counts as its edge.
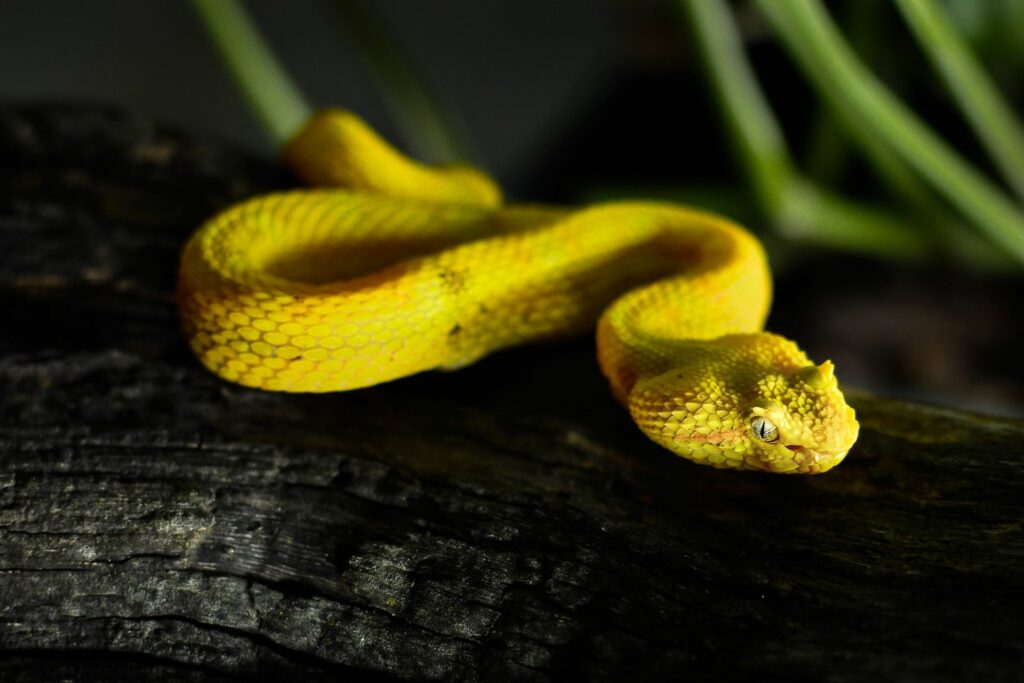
(411, 268)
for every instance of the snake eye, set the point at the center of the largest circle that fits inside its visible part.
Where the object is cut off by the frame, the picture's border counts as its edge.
(764, 429)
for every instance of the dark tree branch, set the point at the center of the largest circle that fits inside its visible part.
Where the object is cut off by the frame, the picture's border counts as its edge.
(504, 521)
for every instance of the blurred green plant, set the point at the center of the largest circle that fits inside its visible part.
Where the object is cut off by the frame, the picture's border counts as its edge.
(795, 206)
(427, 130)
(992, 119)
(430, 131)
(264, 83)
(901, 148)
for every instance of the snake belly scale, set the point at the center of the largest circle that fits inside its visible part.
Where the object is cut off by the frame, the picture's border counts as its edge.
(395, 268)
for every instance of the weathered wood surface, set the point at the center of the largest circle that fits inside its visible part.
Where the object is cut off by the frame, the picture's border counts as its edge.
(505, 521)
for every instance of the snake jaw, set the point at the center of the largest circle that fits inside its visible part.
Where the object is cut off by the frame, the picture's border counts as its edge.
(790, 458)
(810, 461)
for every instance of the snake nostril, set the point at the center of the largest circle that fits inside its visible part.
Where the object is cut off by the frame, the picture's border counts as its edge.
(794, 447)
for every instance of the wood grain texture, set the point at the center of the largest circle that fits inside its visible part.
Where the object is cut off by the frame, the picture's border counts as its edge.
(157, 521)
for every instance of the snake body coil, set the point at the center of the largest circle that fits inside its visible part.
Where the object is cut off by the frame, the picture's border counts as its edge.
(411, 268)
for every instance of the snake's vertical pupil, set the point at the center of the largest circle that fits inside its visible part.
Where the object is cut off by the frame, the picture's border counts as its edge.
(764, 429)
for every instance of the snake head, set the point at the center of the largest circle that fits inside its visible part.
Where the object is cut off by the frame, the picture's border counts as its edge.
(799, 422)
(750, 401)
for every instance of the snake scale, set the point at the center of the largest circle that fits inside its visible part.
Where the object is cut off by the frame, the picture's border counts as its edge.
(389, 268)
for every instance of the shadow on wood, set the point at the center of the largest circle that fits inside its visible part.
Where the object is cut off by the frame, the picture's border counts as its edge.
(506, 521)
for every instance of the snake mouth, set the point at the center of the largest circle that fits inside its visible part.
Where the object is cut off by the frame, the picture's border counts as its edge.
(812, 461)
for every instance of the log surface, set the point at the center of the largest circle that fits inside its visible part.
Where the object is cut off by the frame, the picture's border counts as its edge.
(503, 521)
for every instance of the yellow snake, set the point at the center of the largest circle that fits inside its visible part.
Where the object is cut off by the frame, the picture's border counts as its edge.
(404, 268)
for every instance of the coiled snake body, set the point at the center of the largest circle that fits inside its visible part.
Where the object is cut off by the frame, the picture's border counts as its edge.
(410, 268)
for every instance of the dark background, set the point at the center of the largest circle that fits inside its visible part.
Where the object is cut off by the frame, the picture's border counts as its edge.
(516, 74)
